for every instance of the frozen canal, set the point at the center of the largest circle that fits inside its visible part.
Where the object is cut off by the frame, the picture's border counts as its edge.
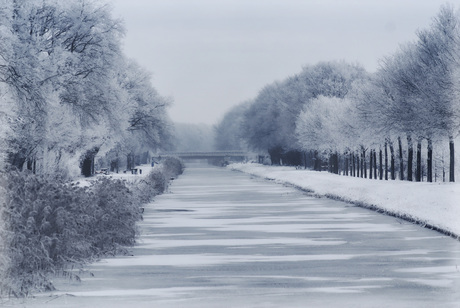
(224, 239)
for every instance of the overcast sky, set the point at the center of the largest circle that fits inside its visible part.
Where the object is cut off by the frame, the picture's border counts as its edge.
(209, 55)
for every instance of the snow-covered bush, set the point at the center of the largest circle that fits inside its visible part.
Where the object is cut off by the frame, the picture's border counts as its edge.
(47, 226)
(157, 180)
(147, 187)
(33, 222)
(50, 226)
(116, 213)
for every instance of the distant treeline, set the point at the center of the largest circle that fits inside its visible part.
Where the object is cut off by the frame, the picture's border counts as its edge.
(399, 122)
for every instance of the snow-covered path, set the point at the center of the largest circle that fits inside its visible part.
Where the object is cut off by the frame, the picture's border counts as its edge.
(224, 239)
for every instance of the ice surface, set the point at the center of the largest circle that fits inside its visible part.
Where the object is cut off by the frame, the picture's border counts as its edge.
(224, 239)
(437, 204)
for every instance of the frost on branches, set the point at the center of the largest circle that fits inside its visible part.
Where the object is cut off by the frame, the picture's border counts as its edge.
(72, 90)
(69, 99)
(399, 122)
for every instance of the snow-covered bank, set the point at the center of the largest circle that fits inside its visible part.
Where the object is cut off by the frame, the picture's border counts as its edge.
(433, 204)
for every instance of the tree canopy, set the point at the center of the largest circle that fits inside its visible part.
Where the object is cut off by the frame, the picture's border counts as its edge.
(68, 89)
(334, 109)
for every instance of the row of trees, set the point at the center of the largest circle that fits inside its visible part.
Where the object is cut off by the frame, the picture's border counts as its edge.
(67, 91)
(337, 116)
(68, 96)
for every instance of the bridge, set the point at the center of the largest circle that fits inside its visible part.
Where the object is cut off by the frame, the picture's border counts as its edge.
(222, 155)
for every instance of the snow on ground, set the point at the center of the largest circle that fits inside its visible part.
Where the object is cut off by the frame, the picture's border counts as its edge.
(143, 170)
(433, 204)
(127, 176)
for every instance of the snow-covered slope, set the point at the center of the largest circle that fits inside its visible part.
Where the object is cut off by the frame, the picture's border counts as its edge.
(434, 204)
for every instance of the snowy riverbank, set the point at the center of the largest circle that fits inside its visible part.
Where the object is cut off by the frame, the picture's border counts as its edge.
(433, 204)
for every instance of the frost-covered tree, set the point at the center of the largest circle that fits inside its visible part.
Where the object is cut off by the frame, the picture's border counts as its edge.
(372, 104)
(73, 93)
(319, 127)
(228, 132)
(412, 99)
(57, 61)
(319, 83)
(439, 57)
(140, 122)
(148, 119)
(261, 121)
(421, 92)
(332, 79)
(270, 121)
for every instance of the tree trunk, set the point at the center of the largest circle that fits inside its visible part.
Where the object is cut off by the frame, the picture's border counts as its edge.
(371, 159)
(87, 162)
(364, 165)
(358, 166)
(130, 161)
(317, 162)
(410, 158)
(392, 160)
(452, 159)
(430, 161)
(275, 155)
(401, 160)
(32, 165)
(443, 168)
(329, 164)
(114, 166)
(347, 164)
(375, 165)
(336, 163)
(353, 162)
(86, 167)
(418, 171)
(386, 160)
(381, 163)
(332, 163)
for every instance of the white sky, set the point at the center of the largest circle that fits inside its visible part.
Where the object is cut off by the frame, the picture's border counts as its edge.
(210, 55)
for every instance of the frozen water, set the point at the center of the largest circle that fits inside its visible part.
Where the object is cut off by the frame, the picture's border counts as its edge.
(222, 239)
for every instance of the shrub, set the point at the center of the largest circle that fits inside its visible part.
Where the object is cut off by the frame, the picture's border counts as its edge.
(116, 215)
(32, 218)
(148, 187)
(156, 182)
(46, 226)
(50, 226)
